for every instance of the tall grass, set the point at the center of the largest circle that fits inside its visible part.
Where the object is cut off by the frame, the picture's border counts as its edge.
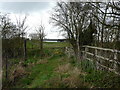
(98, 78)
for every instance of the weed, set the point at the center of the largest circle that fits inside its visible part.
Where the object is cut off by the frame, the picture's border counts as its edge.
(63, 68)
(98, 78)
(42, 62)
(55, 70)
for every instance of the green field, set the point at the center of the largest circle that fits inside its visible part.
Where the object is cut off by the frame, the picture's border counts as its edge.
(56, 70)
(35, 44)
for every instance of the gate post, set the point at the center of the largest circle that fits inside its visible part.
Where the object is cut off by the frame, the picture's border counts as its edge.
(86, 49)
(96, 59)
(115, 59)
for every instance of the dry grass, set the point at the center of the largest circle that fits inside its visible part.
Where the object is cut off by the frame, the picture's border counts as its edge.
(74, 80)
(63, 68)
(42, 62)
(18, 72)
(54, 82)
(77, 72)
(68, 68)
(71, 77)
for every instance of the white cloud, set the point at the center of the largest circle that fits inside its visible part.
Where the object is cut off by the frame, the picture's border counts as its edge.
(35, 17)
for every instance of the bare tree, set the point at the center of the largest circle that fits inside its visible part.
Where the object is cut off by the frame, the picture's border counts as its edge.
(10, 43)
(21, 25)
(107, 16)
(41, 35)
(73, 18)
(34, 36)
(5, 26)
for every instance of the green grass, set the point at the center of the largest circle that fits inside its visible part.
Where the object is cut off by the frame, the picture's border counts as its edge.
(40, 73)
(99, 78)
(55, 44)
(35, 44)
(45, 72)
(44, 75)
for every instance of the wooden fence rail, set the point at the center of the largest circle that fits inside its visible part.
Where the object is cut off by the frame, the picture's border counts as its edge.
(103, 57)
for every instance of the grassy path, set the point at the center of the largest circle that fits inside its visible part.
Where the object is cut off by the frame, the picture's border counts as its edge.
(43, 72)
(40, 73)
(56, 70)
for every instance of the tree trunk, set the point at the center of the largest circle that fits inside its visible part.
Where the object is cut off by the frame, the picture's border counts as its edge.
(76, 52)
(102, 32)
(6, 66)
(25, 50)
(41, 48)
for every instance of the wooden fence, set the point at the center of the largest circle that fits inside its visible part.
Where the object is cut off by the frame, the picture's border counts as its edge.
(104, 58)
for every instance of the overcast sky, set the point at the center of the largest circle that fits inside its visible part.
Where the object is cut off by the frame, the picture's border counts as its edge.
(36, 11)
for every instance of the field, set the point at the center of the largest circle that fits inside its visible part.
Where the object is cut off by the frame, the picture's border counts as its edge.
(56, 70)
(35, 44)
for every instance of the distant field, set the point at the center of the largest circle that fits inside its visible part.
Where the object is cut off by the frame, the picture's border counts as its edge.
(35, 44)
(55, 44)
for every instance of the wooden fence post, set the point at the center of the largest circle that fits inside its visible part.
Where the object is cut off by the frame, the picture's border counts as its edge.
(86, 50)
(101, 54)
(115, 59)
(96, 52)
(96, 59)
(25, 50)
(6, 66)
